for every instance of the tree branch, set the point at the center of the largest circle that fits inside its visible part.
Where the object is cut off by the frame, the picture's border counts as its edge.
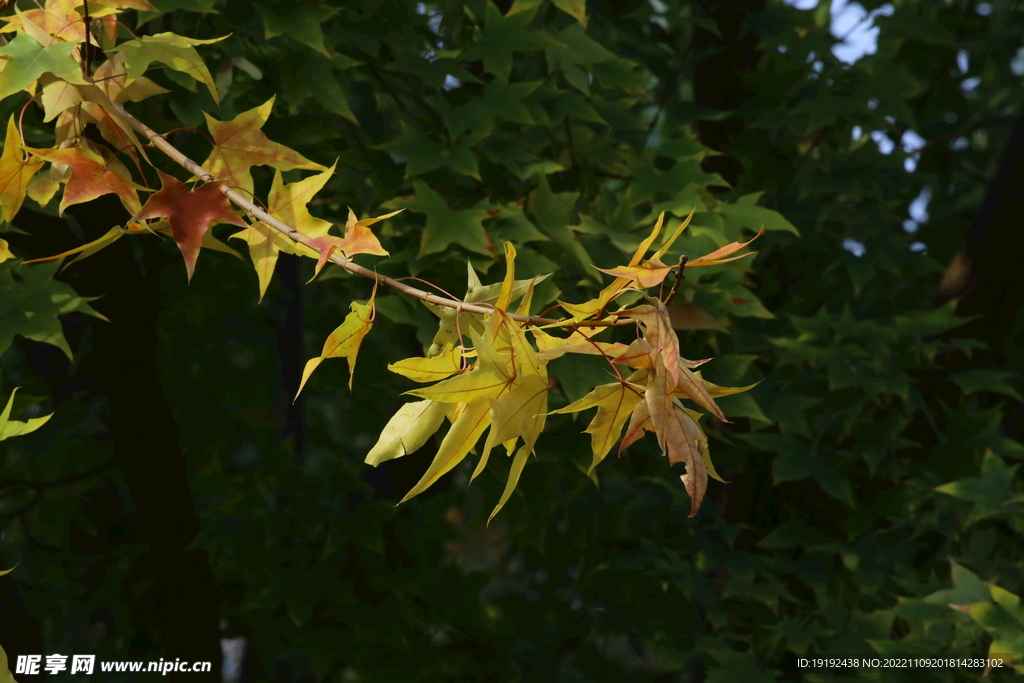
(167, 148)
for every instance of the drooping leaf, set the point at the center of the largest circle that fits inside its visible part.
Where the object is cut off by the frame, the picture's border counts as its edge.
(190, 214)
(16, 169)
(433, 369)
(463, 435)
(718, 256)
(407, 431)
(90, 248)
(344, 342)
(614, 403)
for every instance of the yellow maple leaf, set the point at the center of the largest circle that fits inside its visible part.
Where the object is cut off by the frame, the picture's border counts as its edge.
(614, 403)
(445, 364)
(240, 144)
(16, 169)
(344, 341)
(407, 431)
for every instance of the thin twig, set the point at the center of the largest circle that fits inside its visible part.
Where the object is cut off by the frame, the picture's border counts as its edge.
(679, 278)
(256, 212)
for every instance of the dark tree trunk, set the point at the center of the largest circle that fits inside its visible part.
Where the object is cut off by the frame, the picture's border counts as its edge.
(123, 362)
(984, 272)
(290, 358)
(718, 83)
(718, 77)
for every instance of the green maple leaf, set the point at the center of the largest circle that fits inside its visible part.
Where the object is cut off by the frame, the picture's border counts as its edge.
(29, 305)
(10, 428)
(27, 60)
(318, 81)
(423, 154)
(500, 99)
(446, 226)
(177, 52)
(553, 211)
(302, 22)
(501, 37)
(579, 52)
(990, 492)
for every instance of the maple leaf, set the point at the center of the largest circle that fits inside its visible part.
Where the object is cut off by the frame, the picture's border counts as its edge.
(646, 275)
(190, 214)
(407, 431)
(465, 431)
(589, 308)
(446, 226)
(614, 403)
(94, 103)
(240, 144)
(303, 22)
(287, 202)
(42, 188)
(574, 8)
(30, 305)
(357, 240)
(477, 293)
(506, 389)
(443, 365)
(56, 21)
(716, 257)
(502, 36)
(177, 52)
(92, 176)
(86, 250)
(633, 274)
(9, 428)
(550, 347)
(345, 340)
(27, 60)
(15, 172)
(664, 352)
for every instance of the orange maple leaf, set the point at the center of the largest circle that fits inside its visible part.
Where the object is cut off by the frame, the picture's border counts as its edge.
(91, 176)
(240, 145)
(190, 213)
(718, 256)
(357, 240)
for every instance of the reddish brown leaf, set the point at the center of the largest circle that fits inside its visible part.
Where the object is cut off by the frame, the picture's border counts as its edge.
(190, 214)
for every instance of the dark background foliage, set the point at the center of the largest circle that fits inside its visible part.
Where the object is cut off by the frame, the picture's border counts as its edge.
(178, 496)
